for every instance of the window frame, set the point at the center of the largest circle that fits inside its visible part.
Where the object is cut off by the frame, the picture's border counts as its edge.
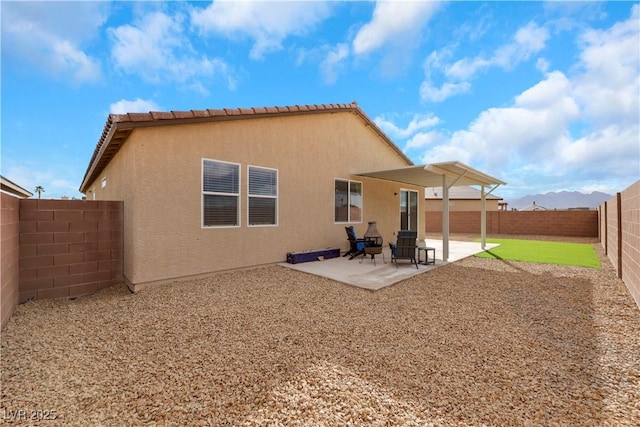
(349, 219)
(260, 196)
(203, 193)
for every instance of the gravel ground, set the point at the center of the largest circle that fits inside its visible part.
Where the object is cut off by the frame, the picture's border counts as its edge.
(477, 342)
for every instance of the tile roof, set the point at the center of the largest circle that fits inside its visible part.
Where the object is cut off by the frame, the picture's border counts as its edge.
(119, 126)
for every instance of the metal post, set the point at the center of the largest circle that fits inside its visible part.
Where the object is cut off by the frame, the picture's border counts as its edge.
(445, 219)
(483, 219)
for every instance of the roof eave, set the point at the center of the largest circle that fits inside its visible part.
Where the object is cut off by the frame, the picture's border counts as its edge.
(13, 188)
(124, 124)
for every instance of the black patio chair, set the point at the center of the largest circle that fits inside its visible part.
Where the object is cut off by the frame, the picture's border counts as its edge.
(405, 247)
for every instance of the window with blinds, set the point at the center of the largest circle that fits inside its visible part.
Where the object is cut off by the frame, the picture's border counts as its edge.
(348, 201)
(263, 196)
(220, 194)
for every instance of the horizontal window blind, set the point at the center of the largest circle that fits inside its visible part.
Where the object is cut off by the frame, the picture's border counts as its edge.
(262, 211)
(263, 193)
(220, 177)
(220, 210)
(221, 198)
(263, 182)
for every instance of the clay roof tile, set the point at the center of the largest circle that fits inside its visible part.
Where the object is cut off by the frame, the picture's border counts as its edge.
(161, 115)
(182, 114)
(139, 117)
(115, 121)
(200, 113)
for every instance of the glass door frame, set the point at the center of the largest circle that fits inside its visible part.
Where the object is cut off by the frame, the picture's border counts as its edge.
(409, 218)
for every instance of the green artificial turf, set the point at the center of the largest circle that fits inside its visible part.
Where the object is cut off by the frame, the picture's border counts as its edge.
(547, 252)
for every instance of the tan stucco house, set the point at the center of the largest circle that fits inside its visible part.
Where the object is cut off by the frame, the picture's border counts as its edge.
(212, 190)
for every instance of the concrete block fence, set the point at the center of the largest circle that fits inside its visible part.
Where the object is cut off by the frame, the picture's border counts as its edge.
(620, 236)
(548, 223)
(10, 252)
(59, 249)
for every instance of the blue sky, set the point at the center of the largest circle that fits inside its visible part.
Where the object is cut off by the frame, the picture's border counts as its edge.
(544, 95)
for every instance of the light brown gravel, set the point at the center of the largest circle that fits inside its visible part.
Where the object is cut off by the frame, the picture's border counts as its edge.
(477, 342)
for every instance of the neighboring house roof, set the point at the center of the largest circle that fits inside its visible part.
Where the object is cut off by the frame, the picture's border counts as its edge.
(11, 187)
(119, 126)
(458, 193)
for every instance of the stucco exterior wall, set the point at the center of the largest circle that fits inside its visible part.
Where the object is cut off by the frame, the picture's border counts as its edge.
(158, 174)
(120, 179)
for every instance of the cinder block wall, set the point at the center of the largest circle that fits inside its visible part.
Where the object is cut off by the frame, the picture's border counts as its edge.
(631, 239)
(547, 223)
(10, 252)
(69, 248)
(620, 236)
(612, 232)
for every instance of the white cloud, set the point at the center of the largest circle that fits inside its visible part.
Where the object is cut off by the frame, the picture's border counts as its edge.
(157, 49)
(394, 22)
(333, 63)
(576, 130)
(531, 130)
(423, 140)
(613, 150)
(447, 153)
(543, 65)
(49, 35)
(609, 83)
(395, 31)
(466, 68)
(431, 93)
(417, 123)
(527, 41)
(267, 23)
(138, 105)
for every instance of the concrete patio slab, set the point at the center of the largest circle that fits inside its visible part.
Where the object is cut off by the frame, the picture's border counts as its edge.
(363, 273)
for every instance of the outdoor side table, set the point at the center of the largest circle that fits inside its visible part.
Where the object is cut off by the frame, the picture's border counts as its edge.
(427, 250)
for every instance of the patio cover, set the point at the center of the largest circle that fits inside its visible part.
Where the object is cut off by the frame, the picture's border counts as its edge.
(446, 175)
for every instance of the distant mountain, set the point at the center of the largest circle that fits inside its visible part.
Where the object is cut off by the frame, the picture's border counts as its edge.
(560, 200)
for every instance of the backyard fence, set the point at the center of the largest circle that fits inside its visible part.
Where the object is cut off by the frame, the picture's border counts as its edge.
(10, 252)
(58, 249)
(571, 223)
(620, 236)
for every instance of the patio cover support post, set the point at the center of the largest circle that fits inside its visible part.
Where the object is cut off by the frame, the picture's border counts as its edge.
(445, 219)
(483, 216)
(483, 219)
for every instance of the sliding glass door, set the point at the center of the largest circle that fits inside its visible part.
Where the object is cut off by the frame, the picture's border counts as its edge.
(408, 210)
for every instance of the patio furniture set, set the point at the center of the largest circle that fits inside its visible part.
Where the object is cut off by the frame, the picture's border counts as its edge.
(405, 248)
